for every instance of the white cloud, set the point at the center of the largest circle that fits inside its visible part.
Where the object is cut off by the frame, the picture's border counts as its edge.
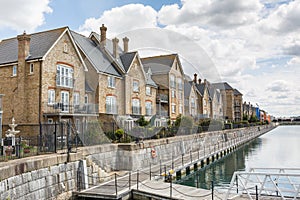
(22, 16)
(224, 14)
(285, 19)
(121, 19)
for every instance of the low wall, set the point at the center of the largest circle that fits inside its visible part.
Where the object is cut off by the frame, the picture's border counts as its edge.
(52, 177)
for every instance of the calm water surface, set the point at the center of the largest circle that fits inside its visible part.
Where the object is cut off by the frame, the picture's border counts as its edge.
(277, 148)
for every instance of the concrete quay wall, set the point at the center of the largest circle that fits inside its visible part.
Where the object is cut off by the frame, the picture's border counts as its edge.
(52, 177)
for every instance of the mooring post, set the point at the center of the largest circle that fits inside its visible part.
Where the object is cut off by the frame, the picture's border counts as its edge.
(137, 180)
(170, 177)
(150, 172)
(237, 184)
(129, 180)
(212, 190)
(116, 184)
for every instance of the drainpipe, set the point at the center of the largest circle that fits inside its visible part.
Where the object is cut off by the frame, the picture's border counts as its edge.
(40, 104)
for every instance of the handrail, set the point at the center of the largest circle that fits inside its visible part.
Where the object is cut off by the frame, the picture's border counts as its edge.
(270, 183)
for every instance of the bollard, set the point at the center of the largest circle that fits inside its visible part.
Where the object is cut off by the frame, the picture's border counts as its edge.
(237, 184)
(160, 170)
(165, 173)
(191, 156)
(182, 159)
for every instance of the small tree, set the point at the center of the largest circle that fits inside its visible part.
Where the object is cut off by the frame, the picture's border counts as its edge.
(119, 134)
(142, 122)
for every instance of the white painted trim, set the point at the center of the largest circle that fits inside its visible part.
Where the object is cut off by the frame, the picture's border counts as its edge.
(73, 42)
(8, 64)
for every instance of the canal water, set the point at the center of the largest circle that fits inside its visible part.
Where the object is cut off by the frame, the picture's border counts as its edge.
(279, 148)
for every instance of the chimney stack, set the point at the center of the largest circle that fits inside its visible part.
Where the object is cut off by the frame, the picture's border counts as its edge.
(23, 46)
(115, 47)
(199, 80)
(195, 78)
(125, 43)
(103, 30)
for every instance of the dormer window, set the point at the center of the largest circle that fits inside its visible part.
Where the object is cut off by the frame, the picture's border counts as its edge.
(15, 70)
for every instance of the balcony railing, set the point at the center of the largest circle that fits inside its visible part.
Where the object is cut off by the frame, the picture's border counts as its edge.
(136, 110)
(163, 113)
(162, 98)
(111, 109)
(68, 108)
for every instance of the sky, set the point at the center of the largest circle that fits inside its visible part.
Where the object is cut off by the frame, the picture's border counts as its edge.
(253, 45)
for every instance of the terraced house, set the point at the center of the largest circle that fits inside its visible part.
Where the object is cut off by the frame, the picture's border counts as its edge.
(123, 90)
(42, 76)
(168, 74)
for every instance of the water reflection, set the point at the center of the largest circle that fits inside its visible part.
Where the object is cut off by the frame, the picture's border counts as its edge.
(279, 148)
(221, 171)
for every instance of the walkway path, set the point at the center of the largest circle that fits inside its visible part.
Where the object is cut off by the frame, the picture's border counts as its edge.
(122, 184)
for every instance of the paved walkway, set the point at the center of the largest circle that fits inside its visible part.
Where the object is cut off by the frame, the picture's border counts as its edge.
(122, 184)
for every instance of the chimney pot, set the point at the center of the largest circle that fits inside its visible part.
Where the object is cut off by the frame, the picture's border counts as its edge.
(199, 80)
(103, 30)
(195, 78)
(115, 47)
(125, 43)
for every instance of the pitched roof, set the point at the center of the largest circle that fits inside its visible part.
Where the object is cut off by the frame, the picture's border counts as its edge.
(94, 54)
(201, 88)
(222, 86)
(187, 89)
(236, 92)
(159, 64)
(127, 59)
(40, 43)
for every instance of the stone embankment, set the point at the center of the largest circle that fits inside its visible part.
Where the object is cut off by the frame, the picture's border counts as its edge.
(52, 177)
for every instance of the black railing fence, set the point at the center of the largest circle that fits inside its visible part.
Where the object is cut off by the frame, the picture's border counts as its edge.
(53, 137)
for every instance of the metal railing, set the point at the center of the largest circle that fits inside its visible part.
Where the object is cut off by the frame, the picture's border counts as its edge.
(69, 108)
(277, 182)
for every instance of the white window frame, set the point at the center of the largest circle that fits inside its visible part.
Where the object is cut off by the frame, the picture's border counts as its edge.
(180, 109)
(148, 106)
(173, 93)
(111, 103)
(65, 100)
(31, 68)
(148, 90)
(136, 103)
(15, 70)
(179, 95)
(51, 96)
(135, 86)
(66, 47)
(172, 81)
(64, 76)
(111, 82)
(180, 85)
(173, 108)
(76, 99)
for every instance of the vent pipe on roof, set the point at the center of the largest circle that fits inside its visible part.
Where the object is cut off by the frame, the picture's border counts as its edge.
(103, 30)
(125, 43)
(115, 47)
